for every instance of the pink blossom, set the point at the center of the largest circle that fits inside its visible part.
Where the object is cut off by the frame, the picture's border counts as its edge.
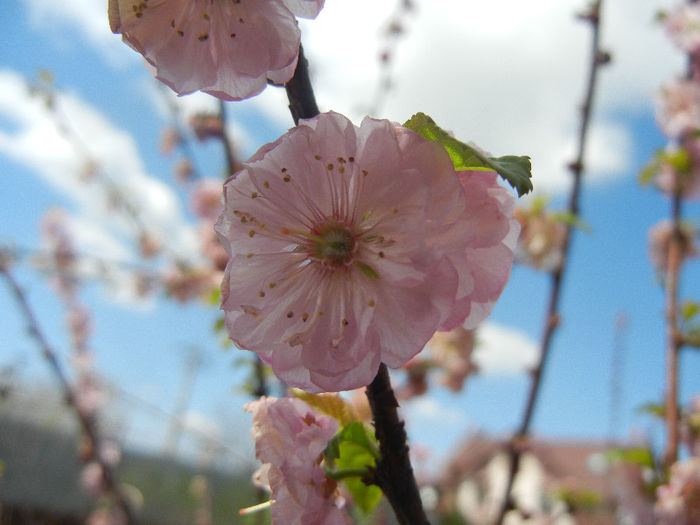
(290, 438)
(541, 239)
(228, 49)
(678, 502)
(683, 26)
(452, 351)
(660, 241)
(206, 199)
(678, 108)
(92, 478)
(350, 246)
(186, 284)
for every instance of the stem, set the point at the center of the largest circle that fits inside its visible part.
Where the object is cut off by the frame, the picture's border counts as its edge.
(302, 103)
(232, 164)
(393, 474)
(87, 424)
(552, 317)
(673, 337)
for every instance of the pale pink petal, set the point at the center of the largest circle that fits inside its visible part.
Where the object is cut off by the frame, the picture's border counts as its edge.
(227, 49)
(304, 8)
(351, 245)
(290, 438)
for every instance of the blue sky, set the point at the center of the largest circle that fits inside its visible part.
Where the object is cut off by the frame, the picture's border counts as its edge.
(477, 79)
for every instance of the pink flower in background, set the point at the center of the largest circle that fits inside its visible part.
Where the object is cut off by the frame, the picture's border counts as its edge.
(678, 108)
(226, 48)
(206, 200)
(541, 239)
(660, 241)
(290, 438)
(350, 246)
(678, 502)
(452, 351)
(683, 26)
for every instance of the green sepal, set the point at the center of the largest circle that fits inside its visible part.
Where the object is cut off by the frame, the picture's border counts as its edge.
(516, 170)
(355, 448)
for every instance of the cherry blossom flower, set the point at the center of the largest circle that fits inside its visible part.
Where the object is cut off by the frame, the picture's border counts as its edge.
(350, 246)
(683, 26)
(678, 108)
(678, 502)
(290, 438)
(226, 48)
(452, 351)
(660, 240)
(206, 198)
(186, 284)
(541, 239)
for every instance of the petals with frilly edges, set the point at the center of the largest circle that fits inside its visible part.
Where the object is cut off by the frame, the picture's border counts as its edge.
(412, 249)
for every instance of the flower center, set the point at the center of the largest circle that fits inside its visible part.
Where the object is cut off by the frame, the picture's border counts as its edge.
(334, 244)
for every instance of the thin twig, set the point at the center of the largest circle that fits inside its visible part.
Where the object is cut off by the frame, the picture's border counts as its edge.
(552, 317)
(394, 474)
(673, 337)
(87, 424)
(232, 164)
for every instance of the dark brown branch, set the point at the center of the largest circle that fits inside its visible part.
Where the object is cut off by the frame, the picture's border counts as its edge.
(87, 423)
(552, 317)
(394, 474)
(302, 102)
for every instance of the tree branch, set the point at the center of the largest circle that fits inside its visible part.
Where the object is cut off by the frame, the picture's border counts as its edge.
(394, 474)
(302, 102)
(552, 317)
(87, 423)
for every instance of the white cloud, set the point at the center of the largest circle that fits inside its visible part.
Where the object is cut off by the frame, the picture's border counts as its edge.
(427, 411)
(87, 17)
(503, 350)
(34, 140)
(506, 74)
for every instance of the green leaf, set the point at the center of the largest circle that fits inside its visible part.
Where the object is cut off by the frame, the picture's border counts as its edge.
(355, 448)
(572, 220)
(689, 309)
(213, 298)
(653, 409)
(637, 456)
(514, 169)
